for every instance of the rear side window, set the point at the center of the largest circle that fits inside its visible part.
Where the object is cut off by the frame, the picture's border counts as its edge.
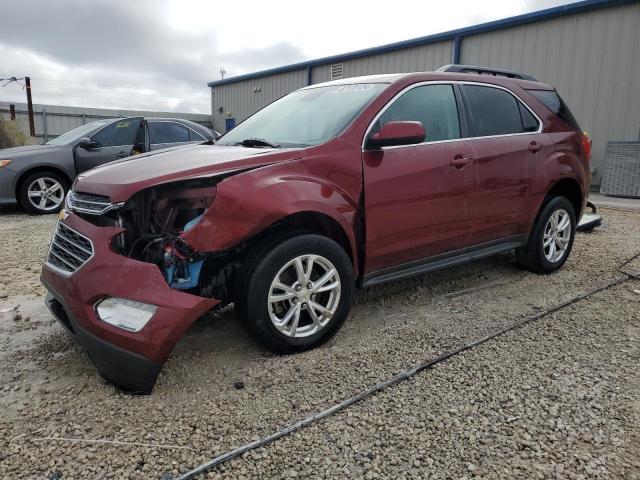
(529, 122)
(551, 100)
(492, 111)
(167, 132)
(432, 105)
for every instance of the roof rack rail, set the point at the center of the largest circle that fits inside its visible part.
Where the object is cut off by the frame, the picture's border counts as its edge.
(485, 71)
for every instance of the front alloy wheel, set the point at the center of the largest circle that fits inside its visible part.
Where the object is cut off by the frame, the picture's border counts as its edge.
(46, 194)
(43, 192)
(294, 292)
(304, 296)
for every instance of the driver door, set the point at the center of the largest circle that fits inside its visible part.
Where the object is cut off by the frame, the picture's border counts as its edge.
(417, 196)
(114, 141)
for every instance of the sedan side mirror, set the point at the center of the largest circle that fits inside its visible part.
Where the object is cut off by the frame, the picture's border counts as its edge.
(397, 133)
(87, 143)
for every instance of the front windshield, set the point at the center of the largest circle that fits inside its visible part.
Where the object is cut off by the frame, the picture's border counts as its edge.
(82, 131)
(305, 117)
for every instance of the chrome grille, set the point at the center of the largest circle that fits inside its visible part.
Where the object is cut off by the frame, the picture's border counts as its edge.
(89, 203)
(69, 250)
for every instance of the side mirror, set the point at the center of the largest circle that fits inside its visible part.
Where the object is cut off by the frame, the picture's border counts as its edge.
(397, 133)
(87, 143)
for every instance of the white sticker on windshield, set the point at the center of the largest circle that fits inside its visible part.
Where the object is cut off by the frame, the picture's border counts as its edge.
(356, 87)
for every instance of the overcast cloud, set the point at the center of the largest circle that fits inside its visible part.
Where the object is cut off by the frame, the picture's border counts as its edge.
(159, 54)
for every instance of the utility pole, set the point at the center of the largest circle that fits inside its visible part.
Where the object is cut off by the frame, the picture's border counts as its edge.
(12, 111)
(32, 127)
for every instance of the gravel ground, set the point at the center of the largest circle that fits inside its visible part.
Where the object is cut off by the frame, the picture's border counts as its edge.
(559, 398)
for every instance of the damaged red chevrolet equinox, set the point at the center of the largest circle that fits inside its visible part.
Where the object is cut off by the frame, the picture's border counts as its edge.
(333, 187)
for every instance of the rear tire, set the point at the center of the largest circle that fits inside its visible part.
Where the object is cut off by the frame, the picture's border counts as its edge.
(294, 293)
(43, 193)
(551, 238)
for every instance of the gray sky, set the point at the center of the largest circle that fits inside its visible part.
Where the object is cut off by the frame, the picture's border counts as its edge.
(159, 54)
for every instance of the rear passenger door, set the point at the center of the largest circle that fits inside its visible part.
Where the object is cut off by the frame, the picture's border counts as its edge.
(506, 140)
(166, 133)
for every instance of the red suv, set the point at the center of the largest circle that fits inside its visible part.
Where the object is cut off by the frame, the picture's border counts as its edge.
(333, 187)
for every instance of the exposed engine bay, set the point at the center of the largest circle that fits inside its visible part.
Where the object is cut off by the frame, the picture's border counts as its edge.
(154, 221)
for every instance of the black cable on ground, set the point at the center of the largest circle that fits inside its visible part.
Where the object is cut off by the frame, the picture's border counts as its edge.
(225, 457)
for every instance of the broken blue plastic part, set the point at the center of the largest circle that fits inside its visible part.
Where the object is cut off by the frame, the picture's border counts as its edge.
(193, 272)
(192, 223)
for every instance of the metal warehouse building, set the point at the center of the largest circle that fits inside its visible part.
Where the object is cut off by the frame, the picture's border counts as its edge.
(589, 51)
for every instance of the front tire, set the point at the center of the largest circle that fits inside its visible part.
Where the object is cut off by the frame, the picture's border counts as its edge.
(43, 192)
(295, 294)
(551, 239)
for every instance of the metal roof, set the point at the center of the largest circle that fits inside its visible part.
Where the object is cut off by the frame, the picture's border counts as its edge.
(571, 8)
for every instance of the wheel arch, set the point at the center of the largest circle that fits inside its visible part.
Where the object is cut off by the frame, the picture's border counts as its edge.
(321, 224)
(567, 187)
(40, 168)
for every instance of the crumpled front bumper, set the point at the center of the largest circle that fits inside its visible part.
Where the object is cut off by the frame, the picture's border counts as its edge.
(131, 360)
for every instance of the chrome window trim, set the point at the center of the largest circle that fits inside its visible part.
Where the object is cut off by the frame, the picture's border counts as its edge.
(449, 82)
(59, 271)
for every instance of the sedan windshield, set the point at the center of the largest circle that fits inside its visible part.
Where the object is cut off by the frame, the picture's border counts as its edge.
(82, 131)
(305, 117)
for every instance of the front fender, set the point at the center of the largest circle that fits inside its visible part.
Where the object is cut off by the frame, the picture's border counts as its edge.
(249, 203)
(57, 160)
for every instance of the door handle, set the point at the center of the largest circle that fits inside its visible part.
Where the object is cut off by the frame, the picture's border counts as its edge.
(121, 154)
(460, 161)
(534, 147)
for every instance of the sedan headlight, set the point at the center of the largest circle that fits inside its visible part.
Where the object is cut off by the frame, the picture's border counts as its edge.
(124, 313)
(4, 163)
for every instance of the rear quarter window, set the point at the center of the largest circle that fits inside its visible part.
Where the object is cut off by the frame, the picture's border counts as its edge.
(493, 111)
(553, 101)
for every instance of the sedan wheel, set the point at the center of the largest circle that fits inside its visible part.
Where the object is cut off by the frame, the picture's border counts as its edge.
(46, 194)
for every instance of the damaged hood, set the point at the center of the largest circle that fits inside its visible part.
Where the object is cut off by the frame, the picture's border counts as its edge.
(121, 179)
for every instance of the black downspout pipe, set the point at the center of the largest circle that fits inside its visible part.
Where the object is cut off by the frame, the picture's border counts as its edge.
(309, 74)
(457, 50)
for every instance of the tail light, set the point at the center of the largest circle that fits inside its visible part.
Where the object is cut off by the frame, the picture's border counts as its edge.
(586, 145)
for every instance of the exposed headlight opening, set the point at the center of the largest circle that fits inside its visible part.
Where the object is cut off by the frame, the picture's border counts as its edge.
(125, 314)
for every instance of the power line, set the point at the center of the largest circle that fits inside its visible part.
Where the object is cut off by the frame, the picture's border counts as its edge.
(61, 90)
(126, 87)
(118, 98)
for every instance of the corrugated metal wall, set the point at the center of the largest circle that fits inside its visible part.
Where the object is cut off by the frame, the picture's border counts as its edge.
(241, 99)
(592, 58)
(61, 119)
(415, 59)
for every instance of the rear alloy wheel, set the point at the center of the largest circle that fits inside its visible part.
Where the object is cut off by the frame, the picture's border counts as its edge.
(557, 234)
(551, 239)
(295, 293)
(43, 193)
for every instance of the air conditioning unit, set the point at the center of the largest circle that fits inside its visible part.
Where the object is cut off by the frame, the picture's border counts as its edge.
(622, 170)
